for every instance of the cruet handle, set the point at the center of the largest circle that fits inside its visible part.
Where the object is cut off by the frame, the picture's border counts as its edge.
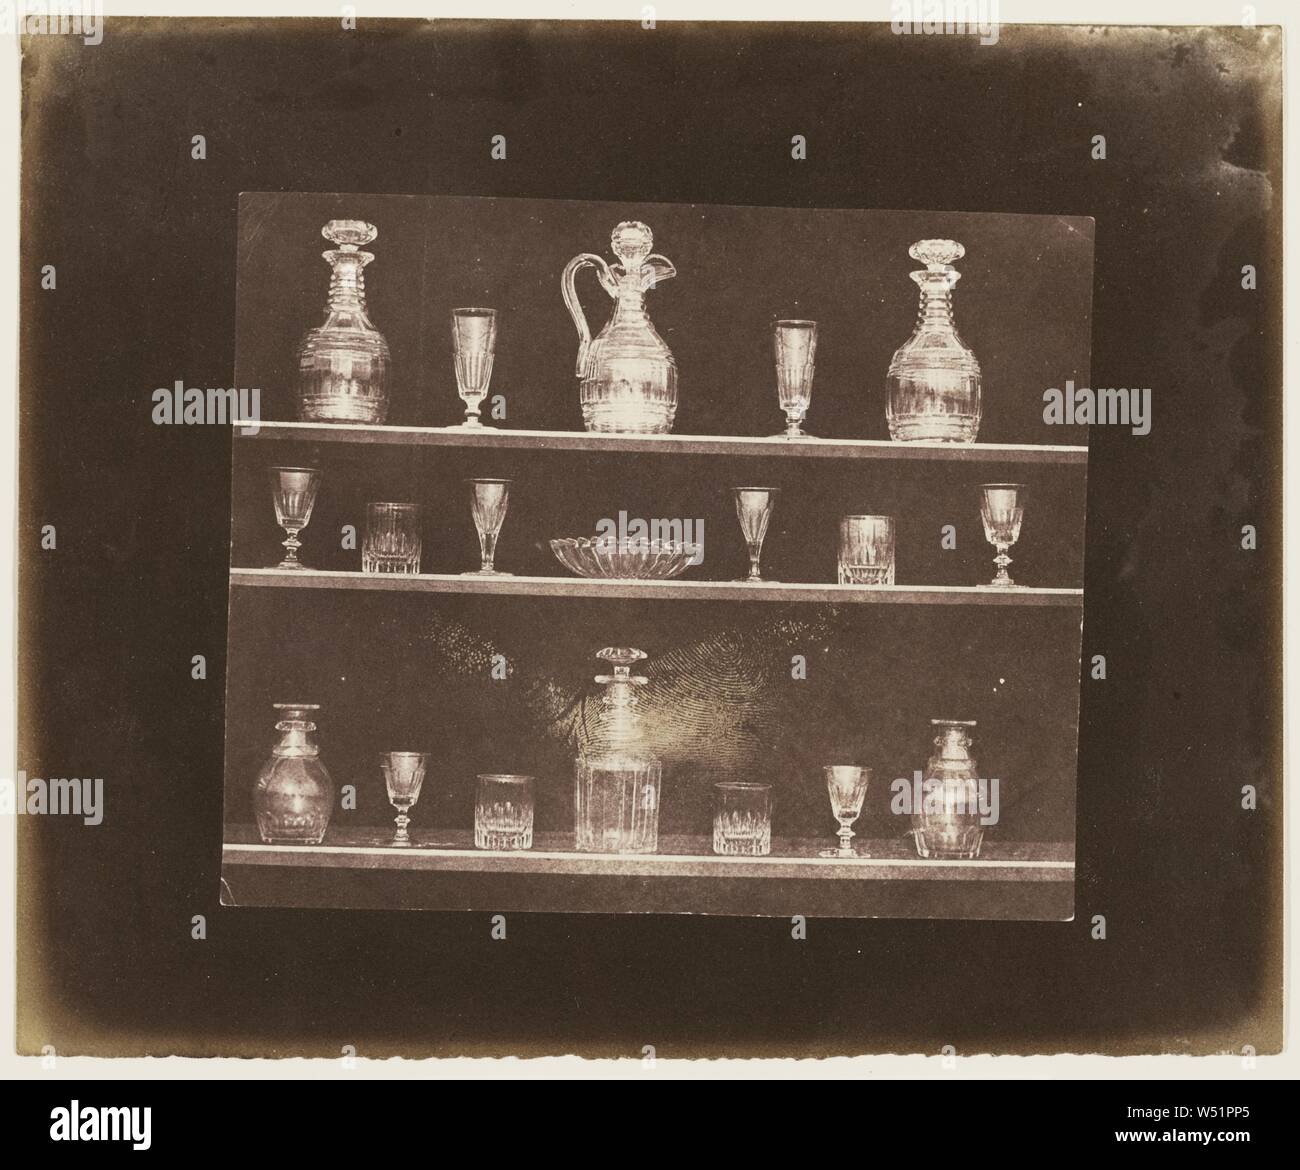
(569, 289)
(655, 269)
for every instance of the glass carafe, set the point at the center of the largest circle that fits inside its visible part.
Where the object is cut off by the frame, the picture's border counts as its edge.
(934, 380)
(948, 823)
(294, 795)
(627, 377)
(343, 364)
(617, 780)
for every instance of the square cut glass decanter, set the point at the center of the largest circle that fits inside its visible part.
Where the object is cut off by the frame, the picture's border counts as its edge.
(933, 385)
(617, 781)
(343, 364)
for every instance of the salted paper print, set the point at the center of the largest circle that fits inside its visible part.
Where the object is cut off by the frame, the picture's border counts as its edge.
(655, 558)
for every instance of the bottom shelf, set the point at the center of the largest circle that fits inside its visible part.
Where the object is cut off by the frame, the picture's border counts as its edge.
(358, 868)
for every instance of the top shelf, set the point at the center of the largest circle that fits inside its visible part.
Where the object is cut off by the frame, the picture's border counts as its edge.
(499, 438)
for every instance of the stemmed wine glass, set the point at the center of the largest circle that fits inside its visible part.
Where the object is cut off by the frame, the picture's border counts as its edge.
(404, 776)
(1002, 508)
(293, 490)
(754, 511)
(474, 342)
(847, 786)
(488, 501)
(794, 344)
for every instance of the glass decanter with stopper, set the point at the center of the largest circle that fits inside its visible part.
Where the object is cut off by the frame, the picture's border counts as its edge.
(627, 376)
(617, 780)
(343, 364)
(933, 386)
(294, 795)
(949, 822)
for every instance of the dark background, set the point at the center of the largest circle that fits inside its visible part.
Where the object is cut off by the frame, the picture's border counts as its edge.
(143, 238)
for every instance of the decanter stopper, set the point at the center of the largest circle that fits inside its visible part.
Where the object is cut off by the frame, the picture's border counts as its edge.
(348, 234)
(933, 385)
(343, 364)
(937, 255)
(621, 682)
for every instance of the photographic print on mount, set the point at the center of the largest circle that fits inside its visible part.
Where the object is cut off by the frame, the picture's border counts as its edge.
(671, 558)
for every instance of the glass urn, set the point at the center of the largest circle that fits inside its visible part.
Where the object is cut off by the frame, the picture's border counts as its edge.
(627, 376)
(294, 795)
(343, 364)
(616, 792)
(948, 823)
(933, 386)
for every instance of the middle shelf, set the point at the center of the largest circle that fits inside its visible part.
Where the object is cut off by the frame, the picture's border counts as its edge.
(664, 590)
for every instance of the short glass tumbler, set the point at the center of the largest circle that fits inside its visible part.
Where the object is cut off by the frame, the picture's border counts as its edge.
(742, 819)
(866, 550)
(503, 812)
(392, 540)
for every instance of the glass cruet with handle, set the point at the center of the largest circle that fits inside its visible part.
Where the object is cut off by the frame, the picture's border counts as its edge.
(627, 376)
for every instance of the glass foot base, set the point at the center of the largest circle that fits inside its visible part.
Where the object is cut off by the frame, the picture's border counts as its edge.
(755, 581)
(1000, 585)
(485, 573)
(846, 854)
(291, 566)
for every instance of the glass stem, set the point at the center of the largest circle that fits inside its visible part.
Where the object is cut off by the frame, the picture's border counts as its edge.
(754, 554)
(487, 544)
(292, 545)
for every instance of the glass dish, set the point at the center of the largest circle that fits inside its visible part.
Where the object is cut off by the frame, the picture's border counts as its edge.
(626, 560)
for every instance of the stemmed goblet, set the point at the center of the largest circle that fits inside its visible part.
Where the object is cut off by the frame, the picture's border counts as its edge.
(404, 776)
(293, 490)
(794, 345)
(1002, 508)
(488, 501)
(754, 511)
(474, 342)
(847, 785)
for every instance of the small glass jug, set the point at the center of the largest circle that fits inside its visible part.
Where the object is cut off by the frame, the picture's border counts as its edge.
(294, 795)
(949, 823)
(627, 376)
